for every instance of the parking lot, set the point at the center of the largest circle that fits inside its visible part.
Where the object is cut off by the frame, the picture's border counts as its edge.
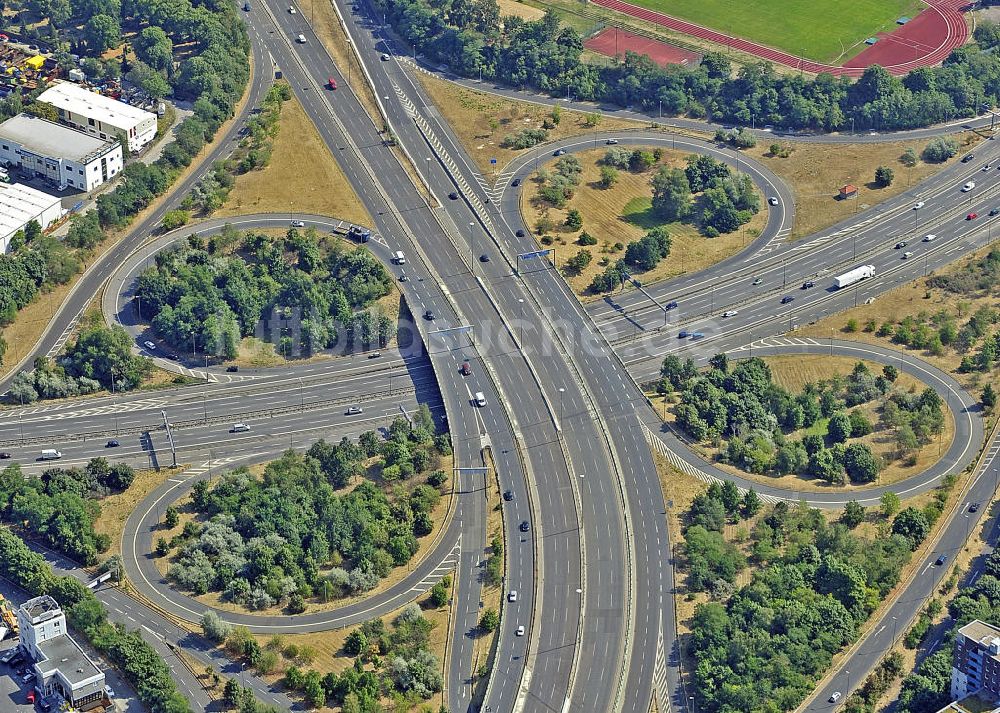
(13, 694)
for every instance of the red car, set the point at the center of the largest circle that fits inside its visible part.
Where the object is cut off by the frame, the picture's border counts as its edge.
(31, 696)
(972, 216)
(331, 82)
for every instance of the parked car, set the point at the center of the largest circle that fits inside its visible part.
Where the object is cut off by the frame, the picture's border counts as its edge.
(149, 345)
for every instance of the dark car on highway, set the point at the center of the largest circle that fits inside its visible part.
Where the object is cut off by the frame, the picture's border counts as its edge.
(941, 560)
(508, 495)
(4, 455)
(113, 443)
(525, 526)
(786, 299)
(807, 284)
(516, 182)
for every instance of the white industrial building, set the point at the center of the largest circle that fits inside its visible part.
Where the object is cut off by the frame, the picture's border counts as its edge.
(66, 157)
(60, 665)
(19, 205)
(99, 115)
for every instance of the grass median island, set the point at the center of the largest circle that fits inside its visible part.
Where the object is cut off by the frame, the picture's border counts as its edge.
(817, 172)
(483, 121)
(949, 318)
(394, 661)
(300, 177)
(855, 426)
(313, 531)
(593, 207)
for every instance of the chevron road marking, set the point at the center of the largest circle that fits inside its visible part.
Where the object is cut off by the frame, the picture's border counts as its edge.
(449, 563)
(777, 342)
(661, 689)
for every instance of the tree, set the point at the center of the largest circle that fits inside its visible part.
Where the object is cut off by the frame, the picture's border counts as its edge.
(890, 372)
(490, 620)
(883, 176)
(889, 503)
(909, 158)
(861, 464)
(940, 149)
(213, 627)
(839, 427)
(574, 221)
(171, 518)
(751, 503)
(578, 263)
(853, 515)
(988, 397)
(671, 194)
(149, 80)
(609, 177)
(154, 48)
(174, 219)
(911, 524)
(440, 593)
(102, 32)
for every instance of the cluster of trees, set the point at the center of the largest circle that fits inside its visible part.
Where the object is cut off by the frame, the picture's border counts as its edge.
(472, 38)
(640, 255)
(763, 645)
(876, 685)
(208, 295)
(99, 358)
(727, 199)
(289, 536)
(392, 663)
(928, 689)
(755, 416)
(142, 666)
(559, 185)
(35, 263)
(61, 506)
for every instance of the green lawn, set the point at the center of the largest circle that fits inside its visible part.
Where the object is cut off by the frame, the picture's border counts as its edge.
(831, 31)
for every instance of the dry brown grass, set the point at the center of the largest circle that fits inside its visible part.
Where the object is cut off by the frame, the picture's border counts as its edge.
(469, 113)
(816, 172)
(302, 176)
(519, 9)
(602, 211)
(909, 300)
(116, 509)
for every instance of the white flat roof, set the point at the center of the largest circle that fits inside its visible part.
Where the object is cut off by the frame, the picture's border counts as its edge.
(74, 98)
(19, 204)
(49, 139)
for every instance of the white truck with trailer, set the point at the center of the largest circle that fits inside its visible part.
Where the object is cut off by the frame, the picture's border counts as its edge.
(856, 275)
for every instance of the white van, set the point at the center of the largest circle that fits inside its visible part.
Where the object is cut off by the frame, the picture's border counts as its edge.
(239, 428)
(51, 454)
(301, 39)
(399, 258)
(479, 399)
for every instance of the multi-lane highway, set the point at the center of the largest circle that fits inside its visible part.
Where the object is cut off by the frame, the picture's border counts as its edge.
(564, 422)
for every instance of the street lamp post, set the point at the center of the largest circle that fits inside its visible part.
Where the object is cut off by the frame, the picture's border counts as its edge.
(520, 322)
(561, 392)
(472, 244)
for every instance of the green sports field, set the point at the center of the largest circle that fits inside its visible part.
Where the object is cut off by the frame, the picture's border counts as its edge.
(831, 31)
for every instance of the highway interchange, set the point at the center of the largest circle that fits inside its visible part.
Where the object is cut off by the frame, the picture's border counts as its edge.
(594, 576)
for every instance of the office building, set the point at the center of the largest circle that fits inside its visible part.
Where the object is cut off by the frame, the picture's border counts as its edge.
(100, 116)
(66, 157)
(19, 205)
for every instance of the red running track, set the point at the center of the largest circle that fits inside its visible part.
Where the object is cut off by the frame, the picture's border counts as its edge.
(935, 33)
